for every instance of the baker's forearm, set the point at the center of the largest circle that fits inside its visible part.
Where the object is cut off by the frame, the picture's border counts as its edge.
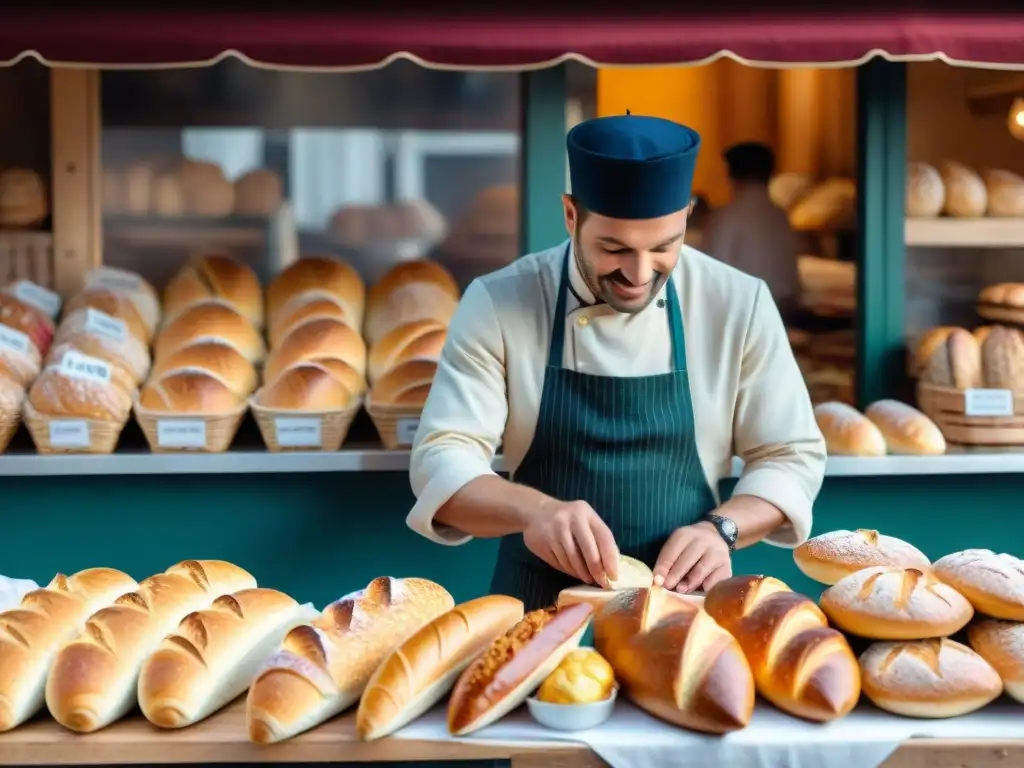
(755, 518)
(489, 506)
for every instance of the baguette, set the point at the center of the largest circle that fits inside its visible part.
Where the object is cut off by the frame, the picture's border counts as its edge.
(424, 668)
(94, 679)
(994, 584)
(847, 431)
(1001, 644)
(674, 661)
(514, 666)
(31, 635)
(799, 664)
(214, 654)
(833, 556)
(323, 668)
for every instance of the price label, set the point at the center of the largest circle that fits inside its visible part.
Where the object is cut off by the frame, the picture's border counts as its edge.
(79, 366)
(14, 339)
(113, 280)
(298, 432)
(405, 430)
(988, 402)
(103, 324)
(35, 295)
(69, 433)
(181, 433)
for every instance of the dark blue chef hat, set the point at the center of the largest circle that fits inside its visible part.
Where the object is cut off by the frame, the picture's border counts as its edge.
(631, 166)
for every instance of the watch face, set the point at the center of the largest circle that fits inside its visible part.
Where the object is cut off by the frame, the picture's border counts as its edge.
(729, 529)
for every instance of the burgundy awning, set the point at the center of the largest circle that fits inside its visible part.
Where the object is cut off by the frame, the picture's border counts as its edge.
(518, 40)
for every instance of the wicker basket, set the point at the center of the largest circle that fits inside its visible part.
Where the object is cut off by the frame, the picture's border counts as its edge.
(63, 435)
(396, 424)
(188, 432)
(8, 426)
(307, 430)
(947, 408)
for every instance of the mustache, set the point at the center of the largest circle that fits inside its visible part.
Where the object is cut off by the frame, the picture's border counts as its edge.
(619, 277)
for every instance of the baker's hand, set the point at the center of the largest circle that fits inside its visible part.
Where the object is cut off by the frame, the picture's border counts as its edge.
(571, 537)
(695, 556)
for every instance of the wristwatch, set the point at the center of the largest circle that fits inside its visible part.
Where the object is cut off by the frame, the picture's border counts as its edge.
(726, 529)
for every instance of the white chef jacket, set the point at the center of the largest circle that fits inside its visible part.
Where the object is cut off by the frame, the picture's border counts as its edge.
(753, 235)
(749, 398)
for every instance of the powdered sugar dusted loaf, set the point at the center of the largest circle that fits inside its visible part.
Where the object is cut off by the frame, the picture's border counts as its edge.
(834, 555)
(994, 583)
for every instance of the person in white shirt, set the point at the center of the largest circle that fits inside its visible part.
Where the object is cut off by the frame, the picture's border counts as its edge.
(620, 371)
(753, 234)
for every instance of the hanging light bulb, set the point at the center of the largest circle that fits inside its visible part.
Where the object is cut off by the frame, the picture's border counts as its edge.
(1015, 121)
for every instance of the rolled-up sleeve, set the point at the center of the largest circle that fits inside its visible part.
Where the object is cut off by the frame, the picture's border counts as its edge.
(774, 429)
(464, 417)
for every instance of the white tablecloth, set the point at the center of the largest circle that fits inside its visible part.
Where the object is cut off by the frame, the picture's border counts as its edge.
(12, 590)
(634, 739)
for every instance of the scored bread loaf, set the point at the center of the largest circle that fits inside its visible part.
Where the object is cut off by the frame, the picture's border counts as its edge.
(421, 671)
(221, 361)
(57, 394)
(112, 304)
(926, 192)
(352, 379)
(886, 603)
(932, 340)
(1003, 359)
(130, 285)
(189, 392)
(954, 362)
(323, 668)
(213, 655)
(315, 339)
(906, 430)
(412, 290)
(1005, 194)
(833, 556)
(97, 334)
(94, 678)
(927, 678)
(847, 431)
(1001, 644)
(799, 664)
(300, 314)
(674, 661)
(258, 193)
(966, 196)
(32, 633)
(215, 277)
(120, 375)
(993, 583)
(406, 384)
(418, 340)
(306, 387)
(28, 320)
(316, 277)
(209, 322)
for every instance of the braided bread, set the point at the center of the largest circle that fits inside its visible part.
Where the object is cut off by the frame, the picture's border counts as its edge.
(799, 664)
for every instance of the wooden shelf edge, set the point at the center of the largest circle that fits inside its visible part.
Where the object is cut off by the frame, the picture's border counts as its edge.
(965, 233)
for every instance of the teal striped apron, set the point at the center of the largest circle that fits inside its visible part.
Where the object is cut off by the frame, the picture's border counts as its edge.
(625, 445)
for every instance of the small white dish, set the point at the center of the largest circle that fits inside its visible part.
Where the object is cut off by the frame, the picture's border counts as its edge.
(571, 717)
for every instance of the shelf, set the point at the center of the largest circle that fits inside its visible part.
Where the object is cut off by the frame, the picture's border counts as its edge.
(160, 231)
(965, 233)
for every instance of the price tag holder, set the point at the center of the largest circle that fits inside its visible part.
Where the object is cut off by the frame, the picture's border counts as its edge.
(103, 324)
(11, 338)
(79, 366)
(181, 433)
(113, 280)
(36, 296)
(69, 433)
(405, 430)
(988, 402)
(298, 432)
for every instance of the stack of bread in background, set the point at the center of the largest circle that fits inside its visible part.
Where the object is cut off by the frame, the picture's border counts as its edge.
(365, 226)
(887, 426)
(885, 591)
(485, 237)
(957, 191)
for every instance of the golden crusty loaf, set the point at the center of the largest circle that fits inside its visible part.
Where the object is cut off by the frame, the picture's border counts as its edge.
(966, 196)
(927, 678)
(215, 277)
(210, 322)
(993, 583)
(1005, 193)
(925, 192)
(94, 678)
(131, 286)
(833, 556)
(421, 671)
(954, 362)
(906, 430)
(929, 343)
(306, 387)
(418, 340)
(1002, 302)
(352, 379)
(300, 314)
(412, 290)
(316, 277)
(189, 392)
(97, 334)
(1002, 355)
(886, 603)
(315, 339)
(57, 394)
(114, 304)
(32, 633)
(674, 661)
(206, 189)
(847, 431)
(323, 668)
(213, 655)
(799, 664)
(120, 375)
(1001, 644)
(218, 360)
(258, 193)
(406, 384)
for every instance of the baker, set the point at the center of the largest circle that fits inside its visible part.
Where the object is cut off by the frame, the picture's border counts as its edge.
(620, 371)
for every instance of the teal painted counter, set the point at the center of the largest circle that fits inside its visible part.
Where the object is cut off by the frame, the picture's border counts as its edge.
(320, 536)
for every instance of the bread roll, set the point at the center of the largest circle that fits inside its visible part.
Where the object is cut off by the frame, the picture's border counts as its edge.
(833, 556)
(406, 384)
(1001, 644)
(418, 340)
(258, 193)
(799, 664)
(1002, 357)
(210, 322)
(306, 387)
(966, 196)
(926, 192)
(412, 290)
(190, 392)
(994, 584)
(215, 277)
(420, 672)
(1002, 302)
(830, 205)
(113, 304)
(1005, 194)
(23, 200)
(886, 603)
(927, 678)
(207, 190)
(322, 669)
(32, 633)
(316, 277)
(132, 286)
(59, 394)
(339, 369)
(94, 678)
(847, 431)
(314, 309)
(674, 661)
(221, 361)
(316, 339)
(213, 655)
(27, 320)
(97, 334)
(120, 375)
(167, 196)
(906, 430)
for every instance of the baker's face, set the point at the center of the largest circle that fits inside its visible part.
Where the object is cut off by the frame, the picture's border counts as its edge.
(625, 262)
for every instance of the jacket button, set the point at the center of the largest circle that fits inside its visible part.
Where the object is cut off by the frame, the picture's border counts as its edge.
(582, 320)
